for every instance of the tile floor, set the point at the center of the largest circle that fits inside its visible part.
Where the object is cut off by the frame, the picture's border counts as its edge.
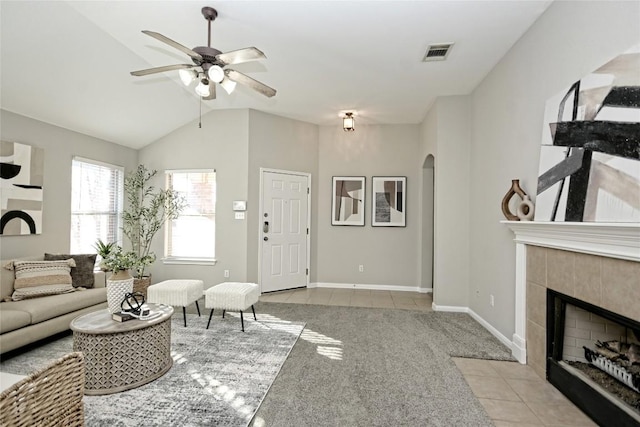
(353, 298)
(512, 394)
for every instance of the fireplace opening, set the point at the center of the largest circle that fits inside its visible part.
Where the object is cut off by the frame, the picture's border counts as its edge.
(593, 357)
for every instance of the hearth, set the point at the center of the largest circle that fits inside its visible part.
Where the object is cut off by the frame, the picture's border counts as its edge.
(590, 355)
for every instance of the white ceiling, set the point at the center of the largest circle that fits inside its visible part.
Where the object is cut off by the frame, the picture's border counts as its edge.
(67, 62)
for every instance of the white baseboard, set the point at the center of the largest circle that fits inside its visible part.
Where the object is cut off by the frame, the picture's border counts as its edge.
(449, 308)
(458, 309)
(519, 349)
(496, 333)
(370, 287)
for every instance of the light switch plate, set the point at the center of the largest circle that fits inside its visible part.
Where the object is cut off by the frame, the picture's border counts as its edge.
(239, 215)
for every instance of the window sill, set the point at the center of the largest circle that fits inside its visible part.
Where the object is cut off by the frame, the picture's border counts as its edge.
(189, 261)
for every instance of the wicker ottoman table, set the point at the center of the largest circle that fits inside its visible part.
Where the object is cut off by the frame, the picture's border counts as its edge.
(176, 292)
(232, 296)
(121, 356)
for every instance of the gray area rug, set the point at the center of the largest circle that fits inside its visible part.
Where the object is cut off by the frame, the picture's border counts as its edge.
(376, 367)
(219, 376)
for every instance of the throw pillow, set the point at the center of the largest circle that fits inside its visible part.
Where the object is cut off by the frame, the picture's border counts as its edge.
(40, 278)
(82, 273)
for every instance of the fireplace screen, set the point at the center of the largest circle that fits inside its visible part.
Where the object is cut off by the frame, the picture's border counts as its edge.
(594, 359)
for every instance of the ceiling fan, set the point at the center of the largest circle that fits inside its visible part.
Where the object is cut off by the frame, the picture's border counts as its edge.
(209, 65)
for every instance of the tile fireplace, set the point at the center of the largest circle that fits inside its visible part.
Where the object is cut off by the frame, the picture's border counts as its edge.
(587, 269)
(590, 352)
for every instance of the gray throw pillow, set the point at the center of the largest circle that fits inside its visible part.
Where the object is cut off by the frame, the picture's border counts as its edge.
(82, 273)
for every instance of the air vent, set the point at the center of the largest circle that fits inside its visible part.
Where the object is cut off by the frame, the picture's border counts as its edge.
(437, 52)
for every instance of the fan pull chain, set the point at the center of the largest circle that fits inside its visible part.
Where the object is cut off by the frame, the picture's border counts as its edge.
(200, 121)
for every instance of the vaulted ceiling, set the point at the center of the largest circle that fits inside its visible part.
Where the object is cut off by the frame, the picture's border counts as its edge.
(67, 62)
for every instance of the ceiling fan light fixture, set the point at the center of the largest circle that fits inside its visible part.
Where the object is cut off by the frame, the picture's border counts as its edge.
(203, 88)
(348, 122)
(215, 73)
(228, 85)
(187, 76)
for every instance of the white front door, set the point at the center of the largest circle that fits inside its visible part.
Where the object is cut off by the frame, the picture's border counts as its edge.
(284, 225)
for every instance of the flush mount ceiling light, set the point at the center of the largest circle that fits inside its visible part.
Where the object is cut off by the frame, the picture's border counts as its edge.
(348, 122)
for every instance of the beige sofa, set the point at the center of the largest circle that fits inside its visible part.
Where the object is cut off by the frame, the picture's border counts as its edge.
(27, 321)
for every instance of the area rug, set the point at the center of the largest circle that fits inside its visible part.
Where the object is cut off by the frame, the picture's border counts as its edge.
(219, 376)
(357, 366)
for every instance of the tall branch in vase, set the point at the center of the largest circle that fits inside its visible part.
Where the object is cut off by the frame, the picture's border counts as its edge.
(148, 209)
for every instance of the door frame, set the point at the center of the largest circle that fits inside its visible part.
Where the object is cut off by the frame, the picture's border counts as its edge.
(260, 207)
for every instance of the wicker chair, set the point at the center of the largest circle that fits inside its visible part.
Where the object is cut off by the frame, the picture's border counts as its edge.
(51, 396)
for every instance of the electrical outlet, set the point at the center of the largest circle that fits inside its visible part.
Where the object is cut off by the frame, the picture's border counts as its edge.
(361, 268)
(491, 300)
(226, 274)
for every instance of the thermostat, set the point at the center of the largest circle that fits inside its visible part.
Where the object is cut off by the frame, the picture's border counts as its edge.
(240, 205)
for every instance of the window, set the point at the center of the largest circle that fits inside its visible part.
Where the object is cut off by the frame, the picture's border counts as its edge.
(96, 204)
(191, 237)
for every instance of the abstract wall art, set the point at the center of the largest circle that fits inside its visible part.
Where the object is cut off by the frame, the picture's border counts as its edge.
(347, 203)
(590, 154)
(388, 208)
(22, 175)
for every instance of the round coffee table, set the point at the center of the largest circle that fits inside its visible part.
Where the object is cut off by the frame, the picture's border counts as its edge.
(120, 356)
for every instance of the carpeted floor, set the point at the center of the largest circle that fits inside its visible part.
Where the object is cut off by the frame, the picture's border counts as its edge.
(219, 376)
(350, 367)
(376, 367)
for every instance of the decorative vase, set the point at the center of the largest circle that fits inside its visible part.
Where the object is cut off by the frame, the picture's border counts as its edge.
(525, 209)
(118, 285)
(515, 189)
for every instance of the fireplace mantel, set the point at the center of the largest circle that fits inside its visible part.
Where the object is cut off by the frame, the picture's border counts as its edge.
(615, 240)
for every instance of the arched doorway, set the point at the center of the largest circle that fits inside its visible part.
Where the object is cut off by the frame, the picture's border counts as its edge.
(428, 222)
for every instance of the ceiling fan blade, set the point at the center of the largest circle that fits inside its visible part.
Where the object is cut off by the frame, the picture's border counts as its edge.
(240, 55)
(248, 81)
(212, 92)
(161, 69)
(174, 44)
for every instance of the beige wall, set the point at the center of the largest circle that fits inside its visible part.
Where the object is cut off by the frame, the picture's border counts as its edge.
(284, 144)
(568, 41)
(60, 145)
(221, 144)
(389, 254)
(446, 133)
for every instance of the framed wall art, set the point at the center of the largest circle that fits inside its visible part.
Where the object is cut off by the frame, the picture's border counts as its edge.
(589, 167)
(22, 171)
(347, 201)
(388, 206)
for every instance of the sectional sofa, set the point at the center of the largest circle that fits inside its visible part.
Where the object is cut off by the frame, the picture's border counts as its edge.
(29, 320)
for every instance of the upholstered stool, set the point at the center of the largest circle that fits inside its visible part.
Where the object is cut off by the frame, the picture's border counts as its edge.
(232, 296)
(176, 292)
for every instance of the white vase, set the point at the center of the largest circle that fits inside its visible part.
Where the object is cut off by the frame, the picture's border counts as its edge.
(118, 285)
(525, 209)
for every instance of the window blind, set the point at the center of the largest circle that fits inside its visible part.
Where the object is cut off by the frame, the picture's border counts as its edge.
(96, 204)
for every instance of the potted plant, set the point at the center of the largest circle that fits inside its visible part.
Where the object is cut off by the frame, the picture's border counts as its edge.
(119, 263)
(104, 249)
(120, 282)
(147, 211)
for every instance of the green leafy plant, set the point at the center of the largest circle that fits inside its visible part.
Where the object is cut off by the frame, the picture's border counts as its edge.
(104, 249)
(148, 209)
(118, 260)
